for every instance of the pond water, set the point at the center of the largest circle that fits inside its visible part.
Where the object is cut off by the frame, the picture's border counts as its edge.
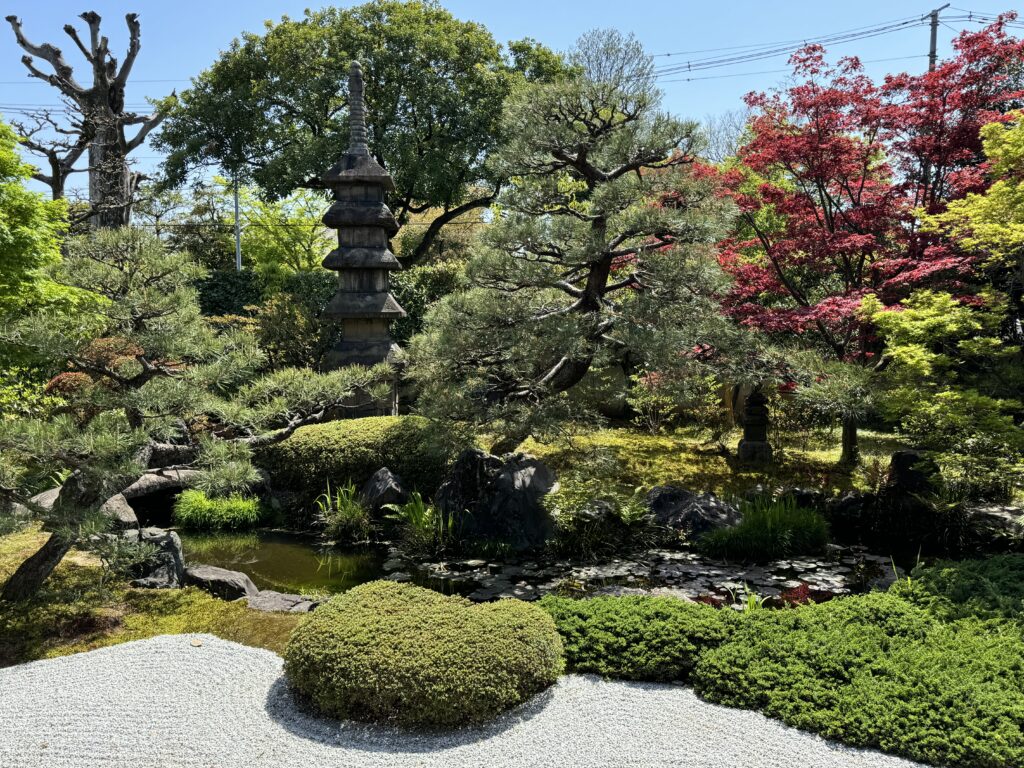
(285, 562)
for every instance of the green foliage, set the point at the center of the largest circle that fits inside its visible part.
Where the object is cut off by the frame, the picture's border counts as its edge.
(876, 671)
(653, 402)
(30, 233)
(228, 292)
(342, 515)
(426, 531)
(290, 325)
(594, 519)
(770, 529)
(419, 287)
(435, 86)
(354, 449)
(397, 653)
(953, 386)
(992, 588)
(572, 273)
(637, 638)
(195, 510)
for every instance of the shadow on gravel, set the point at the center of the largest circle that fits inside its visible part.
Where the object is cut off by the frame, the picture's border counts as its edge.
(286, 710)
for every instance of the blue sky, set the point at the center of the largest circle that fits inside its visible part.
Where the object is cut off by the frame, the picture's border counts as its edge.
(179, 39)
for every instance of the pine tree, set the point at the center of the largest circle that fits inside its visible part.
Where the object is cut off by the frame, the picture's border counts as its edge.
(148, 389)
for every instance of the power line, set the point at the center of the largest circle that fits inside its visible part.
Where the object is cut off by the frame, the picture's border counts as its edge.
(777, 71)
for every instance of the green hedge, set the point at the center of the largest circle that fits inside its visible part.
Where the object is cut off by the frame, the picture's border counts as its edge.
(194, 509)
(877, 671)
(637, 638)
(353, 449)
(992, 588)
(388, 652)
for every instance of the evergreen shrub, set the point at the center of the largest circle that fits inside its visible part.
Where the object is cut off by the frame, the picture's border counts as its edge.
(397, 653)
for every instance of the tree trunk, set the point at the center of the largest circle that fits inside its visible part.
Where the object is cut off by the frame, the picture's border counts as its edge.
(851, 450)
(31, 574)
(109, 176)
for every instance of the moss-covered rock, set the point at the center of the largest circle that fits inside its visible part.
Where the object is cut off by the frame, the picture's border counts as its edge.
(388, 652)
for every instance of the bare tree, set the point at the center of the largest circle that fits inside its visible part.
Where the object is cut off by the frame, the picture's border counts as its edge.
(98, 120)
(724, 133)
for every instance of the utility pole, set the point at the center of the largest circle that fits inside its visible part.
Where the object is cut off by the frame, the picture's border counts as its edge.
(238, 231)
(932, 52)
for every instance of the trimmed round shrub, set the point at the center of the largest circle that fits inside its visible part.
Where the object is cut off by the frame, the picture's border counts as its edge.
(637, 638)
(228, 292)
(351, 450)
(388, 652)
(877, 671)
(194, 509)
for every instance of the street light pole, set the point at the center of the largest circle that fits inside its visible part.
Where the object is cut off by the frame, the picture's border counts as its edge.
(238, 232)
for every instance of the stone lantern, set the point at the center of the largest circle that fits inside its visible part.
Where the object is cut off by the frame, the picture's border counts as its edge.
(363, 260)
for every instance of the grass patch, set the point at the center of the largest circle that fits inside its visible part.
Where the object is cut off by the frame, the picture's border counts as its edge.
(73, 613)
(770, 529)
(197, 511)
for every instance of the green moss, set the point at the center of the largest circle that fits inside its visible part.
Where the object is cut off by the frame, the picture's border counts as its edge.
(398, 653)
(684, 458)
(352, 450)
(195, 510)
(877, 671)
(72, 613)
(636, 638)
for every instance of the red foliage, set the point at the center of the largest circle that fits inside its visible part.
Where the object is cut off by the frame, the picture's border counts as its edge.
(844, 164)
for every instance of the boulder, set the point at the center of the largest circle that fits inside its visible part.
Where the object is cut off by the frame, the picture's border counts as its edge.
(995, 527)
(220, 582)
(46, 499)
(383, 488)
(166, 569)
(911, 472)
(280, 602)
(694, 513)
(118, 508)
(498, 499)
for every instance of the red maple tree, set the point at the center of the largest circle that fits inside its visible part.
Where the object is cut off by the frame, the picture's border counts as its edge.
(829, 183)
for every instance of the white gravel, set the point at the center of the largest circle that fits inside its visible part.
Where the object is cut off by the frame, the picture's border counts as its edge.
(163, 703)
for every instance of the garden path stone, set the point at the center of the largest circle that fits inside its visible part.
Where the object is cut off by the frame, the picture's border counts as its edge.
(193, 701)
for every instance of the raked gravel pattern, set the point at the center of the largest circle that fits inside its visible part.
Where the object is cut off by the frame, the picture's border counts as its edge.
(165, 703)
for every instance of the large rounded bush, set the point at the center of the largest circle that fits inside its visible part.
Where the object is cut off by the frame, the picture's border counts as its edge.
(637, 638)
(351, 450)
(388, 652)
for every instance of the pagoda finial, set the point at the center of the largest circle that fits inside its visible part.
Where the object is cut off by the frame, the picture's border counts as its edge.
(356, 110)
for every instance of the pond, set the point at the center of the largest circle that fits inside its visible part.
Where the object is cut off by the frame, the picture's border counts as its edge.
(285, 562)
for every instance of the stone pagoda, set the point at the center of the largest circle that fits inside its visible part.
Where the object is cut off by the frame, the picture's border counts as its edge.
(363, 260)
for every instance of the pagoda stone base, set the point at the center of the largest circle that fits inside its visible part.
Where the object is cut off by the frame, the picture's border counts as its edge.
(366, 352)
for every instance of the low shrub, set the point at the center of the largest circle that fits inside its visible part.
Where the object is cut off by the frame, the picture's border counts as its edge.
(991, 588)
(194, 509)
(353, 449)
(388, 652)
(877, 671)
(770, 529)
(637, 638)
